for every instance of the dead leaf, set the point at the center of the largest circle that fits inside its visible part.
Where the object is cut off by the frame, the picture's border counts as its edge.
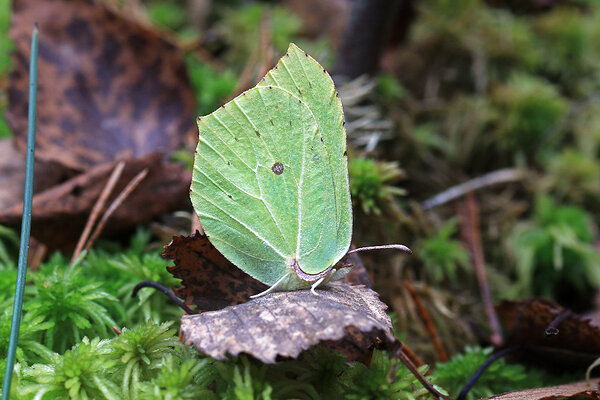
(210, 281)
(283, 324)
(553, 392)
(576, 344)
(12, 178)
(107, 87)
(65, 208)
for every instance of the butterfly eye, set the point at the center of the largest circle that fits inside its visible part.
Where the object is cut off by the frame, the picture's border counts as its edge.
(277, 168)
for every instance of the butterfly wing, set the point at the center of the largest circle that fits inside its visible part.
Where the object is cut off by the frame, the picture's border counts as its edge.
(263, 186)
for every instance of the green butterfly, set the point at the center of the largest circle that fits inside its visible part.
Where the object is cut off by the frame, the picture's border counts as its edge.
(270, 181)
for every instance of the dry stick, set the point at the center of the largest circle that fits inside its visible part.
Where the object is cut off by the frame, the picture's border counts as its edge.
(114, 205)
(469, 226)
(429, 325)
(500, 176)
(106, 191)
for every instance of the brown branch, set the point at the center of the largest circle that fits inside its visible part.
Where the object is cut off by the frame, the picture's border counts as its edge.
(429, 325)
(469, 227)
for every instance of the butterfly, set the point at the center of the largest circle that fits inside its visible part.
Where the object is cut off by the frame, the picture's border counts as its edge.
(270, 180)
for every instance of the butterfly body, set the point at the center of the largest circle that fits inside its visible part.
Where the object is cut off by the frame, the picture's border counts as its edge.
(270, 180)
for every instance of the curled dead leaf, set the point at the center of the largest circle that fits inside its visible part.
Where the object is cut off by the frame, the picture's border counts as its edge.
(283, 324)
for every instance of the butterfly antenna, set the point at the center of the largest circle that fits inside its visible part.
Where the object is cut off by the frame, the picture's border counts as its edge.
(269, 290)
(384, 247)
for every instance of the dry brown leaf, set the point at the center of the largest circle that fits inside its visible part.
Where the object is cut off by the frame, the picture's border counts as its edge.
(107, 87)
(210, 281)
(553, 392)
(59, 214)
(12, 178)
(283, 324)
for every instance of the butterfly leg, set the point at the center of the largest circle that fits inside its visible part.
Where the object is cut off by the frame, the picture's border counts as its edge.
(269, 290)
(314, 286)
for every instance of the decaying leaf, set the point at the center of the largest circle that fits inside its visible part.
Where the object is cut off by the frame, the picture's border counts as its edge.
(59, 213)
(572, 339)
(283, 324)
(107, 87)
(577, 389)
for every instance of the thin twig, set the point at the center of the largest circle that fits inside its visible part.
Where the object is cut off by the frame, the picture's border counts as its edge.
(409, 353)
(500, 176)
(469, 226)
(414, 370)
(166, 291)
(114, 205)
(106, 191)
(429, 325)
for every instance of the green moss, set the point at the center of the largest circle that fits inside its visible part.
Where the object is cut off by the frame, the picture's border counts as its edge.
(211, 88)
(442, 256)
(498, 378)
(370, 183)
(527, 108)
(554, 254)
(82, 373)
(167, 14)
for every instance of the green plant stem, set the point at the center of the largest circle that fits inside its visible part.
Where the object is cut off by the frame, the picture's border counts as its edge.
(26, 222)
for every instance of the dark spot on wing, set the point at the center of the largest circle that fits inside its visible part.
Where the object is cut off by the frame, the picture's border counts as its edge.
(257, 133)
(228, 163)
(230, 196)
(271, 121)
(345, 153)
(277, 168)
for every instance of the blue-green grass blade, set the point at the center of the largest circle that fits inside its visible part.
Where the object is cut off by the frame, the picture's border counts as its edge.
(26, 221)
